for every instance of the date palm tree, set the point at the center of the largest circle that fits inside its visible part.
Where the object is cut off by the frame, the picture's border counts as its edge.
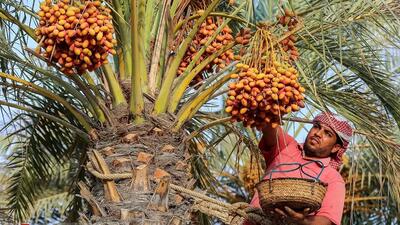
(135, 115)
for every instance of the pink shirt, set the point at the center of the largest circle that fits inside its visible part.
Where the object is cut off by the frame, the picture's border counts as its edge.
(288, 151)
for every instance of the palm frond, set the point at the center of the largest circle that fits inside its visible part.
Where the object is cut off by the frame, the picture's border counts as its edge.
(367, 188)
(40, 146)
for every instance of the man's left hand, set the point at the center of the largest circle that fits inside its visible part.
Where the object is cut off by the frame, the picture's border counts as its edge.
(297, 217)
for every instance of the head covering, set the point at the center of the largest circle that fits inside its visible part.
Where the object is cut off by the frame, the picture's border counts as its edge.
(343, 129)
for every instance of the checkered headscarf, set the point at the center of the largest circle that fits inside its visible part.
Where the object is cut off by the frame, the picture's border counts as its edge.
(342, 128)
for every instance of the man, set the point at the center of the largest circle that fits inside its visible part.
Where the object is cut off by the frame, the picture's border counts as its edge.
(326, 142)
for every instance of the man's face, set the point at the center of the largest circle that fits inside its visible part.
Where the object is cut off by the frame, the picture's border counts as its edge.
(321, 141)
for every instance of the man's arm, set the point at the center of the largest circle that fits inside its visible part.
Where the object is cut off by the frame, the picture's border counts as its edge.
(274, 139)
(316, 220)
(269, 139)
(272, 142)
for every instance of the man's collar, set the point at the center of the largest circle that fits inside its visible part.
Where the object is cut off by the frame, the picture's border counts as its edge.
(325, 161)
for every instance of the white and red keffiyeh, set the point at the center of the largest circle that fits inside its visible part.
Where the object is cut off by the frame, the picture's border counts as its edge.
(343, 129)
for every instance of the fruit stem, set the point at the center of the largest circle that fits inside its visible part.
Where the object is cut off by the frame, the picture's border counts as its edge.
(159, 50)
(137, 101)
(123, 29)
(219, 14)
(180, 88)
(115, 88)
(192, 106)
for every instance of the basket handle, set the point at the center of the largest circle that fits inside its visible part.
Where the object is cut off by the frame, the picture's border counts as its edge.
(298, 166)
(313, 161)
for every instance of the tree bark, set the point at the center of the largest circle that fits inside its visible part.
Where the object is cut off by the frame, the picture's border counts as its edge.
(144, 199)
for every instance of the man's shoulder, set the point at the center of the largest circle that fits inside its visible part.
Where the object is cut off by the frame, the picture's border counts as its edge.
(332, 175)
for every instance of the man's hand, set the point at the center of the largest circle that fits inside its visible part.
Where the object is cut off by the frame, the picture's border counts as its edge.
(302, 218)
(297, 217)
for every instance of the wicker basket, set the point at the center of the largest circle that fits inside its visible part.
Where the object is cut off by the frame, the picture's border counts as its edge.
(296, 193)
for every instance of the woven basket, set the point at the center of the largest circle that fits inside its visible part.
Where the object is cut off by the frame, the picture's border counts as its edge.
(296, 193)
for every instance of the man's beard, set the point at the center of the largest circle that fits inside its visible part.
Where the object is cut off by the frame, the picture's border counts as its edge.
(309, 151)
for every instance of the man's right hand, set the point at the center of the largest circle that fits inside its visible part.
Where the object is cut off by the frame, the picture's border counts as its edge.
(270, 138)
(297, 217)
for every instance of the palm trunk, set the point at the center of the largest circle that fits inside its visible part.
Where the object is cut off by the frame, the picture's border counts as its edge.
(154, 156)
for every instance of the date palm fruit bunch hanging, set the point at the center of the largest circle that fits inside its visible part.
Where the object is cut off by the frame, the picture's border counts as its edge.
(288, 21)
(207, 29)
(266, 85)
(250, 174)
(78, 35)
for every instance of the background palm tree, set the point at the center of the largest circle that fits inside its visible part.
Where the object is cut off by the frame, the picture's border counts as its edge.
(59, 123)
